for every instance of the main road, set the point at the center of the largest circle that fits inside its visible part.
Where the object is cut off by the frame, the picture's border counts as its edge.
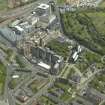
(19, 12)
(41, 91)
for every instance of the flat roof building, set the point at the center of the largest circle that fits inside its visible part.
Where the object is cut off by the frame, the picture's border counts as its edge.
(44, 65)
(43, 6)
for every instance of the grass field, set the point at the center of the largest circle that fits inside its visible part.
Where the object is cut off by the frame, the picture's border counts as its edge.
(2, 78)
(98, 19)
(46, 100)
(59, 48)
(99, 83)
(38, 84)
(3, 4)
(87, 28)
(60, 1)
(102, 4)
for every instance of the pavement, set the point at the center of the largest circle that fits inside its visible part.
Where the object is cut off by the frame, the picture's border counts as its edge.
(4, 103)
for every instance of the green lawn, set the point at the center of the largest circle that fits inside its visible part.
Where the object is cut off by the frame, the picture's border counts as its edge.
(68, 72)
(62, 85)
(103, 103)
(86, 59)
(64, 96)
(60, 1)
(37, 84)
(14, 82)
(46, 101)
(2, 78)
(98, 19)
(99, 83)
(59, 48)
(3, 4)
(19, 60)
(102, 4)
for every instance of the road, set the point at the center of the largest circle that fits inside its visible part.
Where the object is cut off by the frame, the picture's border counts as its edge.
(19, 12)
(8, 94)
(3, 103)
(11, 98)
(41, 91)
(57, 13)
(88, 79)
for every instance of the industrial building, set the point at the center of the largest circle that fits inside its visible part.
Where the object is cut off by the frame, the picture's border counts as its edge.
(44, 12)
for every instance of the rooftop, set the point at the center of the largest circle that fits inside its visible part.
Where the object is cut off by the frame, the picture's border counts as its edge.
(43, 6)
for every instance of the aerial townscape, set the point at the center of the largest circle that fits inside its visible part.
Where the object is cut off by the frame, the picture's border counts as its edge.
(52, 52)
